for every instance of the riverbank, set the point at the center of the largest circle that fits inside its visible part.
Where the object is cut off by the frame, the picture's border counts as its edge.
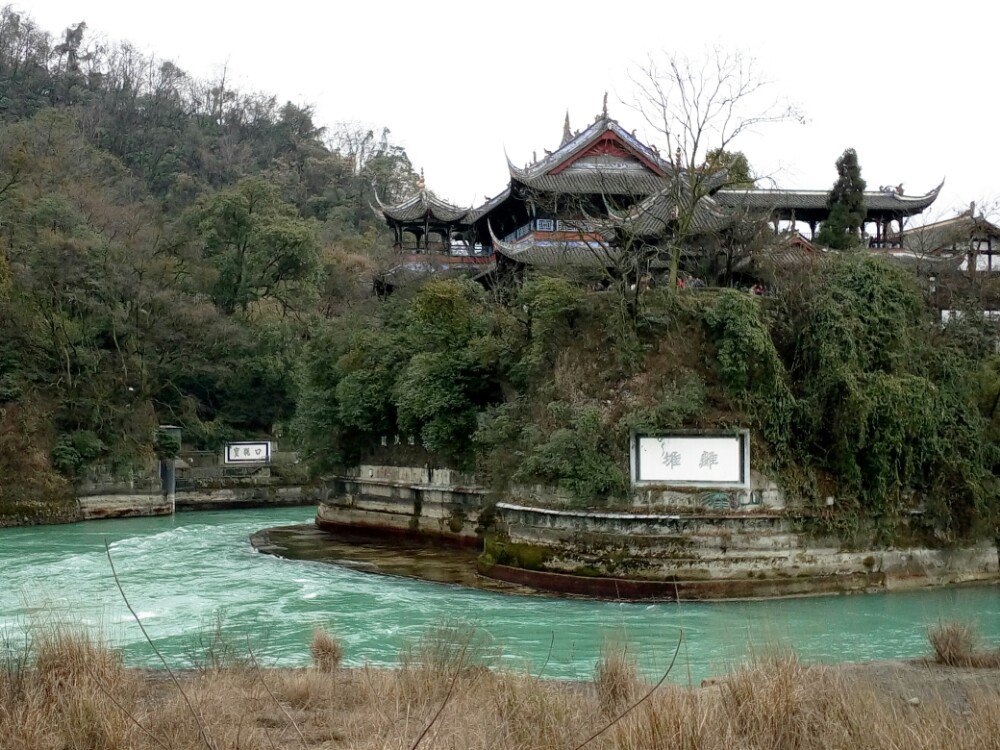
(73, 693)
(189, 571)
(661, 544)
(438, 560)
(125, 503)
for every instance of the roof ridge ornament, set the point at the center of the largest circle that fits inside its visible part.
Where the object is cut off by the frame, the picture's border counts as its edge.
(604, 106)
(567, 135)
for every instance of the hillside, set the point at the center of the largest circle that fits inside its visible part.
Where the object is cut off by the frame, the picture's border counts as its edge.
(176, 251)
(166, 245)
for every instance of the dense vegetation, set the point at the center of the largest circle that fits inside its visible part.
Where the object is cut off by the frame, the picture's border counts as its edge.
(852, 387)
(166, 245)
(175, 251)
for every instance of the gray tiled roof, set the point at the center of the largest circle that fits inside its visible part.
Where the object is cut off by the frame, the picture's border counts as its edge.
(596, 174)
(423, 204)
(941, 236)
(816, 200)
(556, 253)
(477, 213)
(585, 138)
(578, 181)
(653, 216)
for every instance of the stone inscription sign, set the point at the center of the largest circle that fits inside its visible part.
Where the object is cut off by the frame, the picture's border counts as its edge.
(248, 453)
(695, 459)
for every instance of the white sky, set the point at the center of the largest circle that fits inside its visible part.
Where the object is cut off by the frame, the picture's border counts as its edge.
(913, 87)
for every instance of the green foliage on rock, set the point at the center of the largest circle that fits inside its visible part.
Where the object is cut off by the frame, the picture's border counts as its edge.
(423, 368)
(579, 457)
(858, 383)
(749, 363)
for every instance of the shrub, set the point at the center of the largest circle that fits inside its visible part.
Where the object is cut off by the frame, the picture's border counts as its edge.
(749, 363)
(616, 678)
(75, 450)
(578, 458)
(953, 643)
(326, 650)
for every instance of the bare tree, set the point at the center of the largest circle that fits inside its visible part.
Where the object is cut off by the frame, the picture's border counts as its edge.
(698, 108)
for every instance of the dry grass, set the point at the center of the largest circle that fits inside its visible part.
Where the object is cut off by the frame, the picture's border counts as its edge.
(326, 650)
(74, 694)
(616, 678)
(956, 644)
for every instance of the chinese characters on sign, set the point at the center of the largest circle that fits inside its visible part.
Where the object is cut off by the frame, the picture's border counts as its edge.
(246, 453)
(691, 459)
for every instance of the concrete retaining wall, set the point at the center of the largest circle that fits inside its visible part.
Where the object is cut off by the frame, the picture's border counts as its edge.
(728, 550)
(135, 504)
(715, 554)
(404, 501)
(124, 505)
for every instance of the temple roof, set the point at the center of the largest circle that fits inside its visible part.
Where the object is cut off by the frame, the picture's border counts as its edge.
(806, 202)
(602, 159)
(476, 214)
(423, 204)
(653, 216)
(554, 253)
(942, 236)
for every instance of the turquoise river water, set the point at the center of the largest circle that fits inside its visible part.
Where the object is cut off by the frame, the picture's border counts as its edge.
(186, 573)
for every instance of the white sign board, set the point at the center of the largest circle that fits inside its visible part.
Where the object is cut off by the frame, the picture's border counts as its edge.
(248, 453)
(692, 460)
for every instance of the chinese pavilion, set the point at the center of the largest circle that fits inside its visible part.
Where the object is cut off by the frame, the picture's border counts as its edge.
(566, 208)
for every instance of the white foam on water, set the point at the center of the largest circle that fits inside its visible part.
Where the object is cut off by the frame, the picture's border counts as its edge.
(184, 573)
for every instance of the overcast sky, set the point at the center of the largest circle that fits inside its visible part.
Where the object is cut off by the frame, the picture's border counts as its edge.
(911, 86)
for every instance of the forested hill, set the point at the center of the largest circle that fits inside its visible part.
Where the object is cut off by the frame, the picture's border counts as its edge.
(165, 244)
(174, 250)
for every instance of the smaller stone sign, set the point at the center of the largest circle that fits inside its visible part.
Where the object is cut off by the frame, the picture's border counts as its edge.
(248, 453)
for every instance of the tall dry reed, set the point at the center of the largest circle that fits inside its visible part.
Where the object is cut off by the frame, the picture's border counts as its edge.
(74, 694)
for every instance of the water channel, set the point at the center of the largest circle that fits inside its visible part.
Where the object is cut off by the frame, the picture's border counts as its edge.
(186, 573)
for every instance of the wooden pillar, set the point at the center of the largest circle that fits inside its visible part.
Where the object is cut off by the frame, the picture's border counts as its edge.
(812, 230)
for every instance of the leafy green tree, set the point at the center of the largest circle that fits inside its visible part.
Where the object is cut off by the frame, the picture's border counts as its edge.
(846, 204)
(260, 249)
(736, 166)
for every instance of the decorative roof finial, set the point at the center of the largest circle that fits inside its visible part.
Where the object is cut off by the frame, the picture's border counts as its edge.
(604, 107)
(420, 182)
(567, 133)
(677, 157)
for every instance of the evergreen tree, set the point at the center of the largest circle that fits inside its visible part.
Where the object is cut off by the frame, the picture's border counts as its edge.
(846, 202)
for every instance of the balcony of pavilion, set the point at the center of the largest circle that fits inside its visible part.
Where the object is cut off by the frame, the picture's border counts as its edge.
(887, 210)
(424, 225)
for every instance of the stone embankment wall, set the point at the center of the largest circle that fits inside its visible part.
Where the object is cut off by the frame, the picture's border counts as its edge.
(203, 483)
(107, 498)
(666, 544)
(403, 501)
(129, 504)
(707, 555)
